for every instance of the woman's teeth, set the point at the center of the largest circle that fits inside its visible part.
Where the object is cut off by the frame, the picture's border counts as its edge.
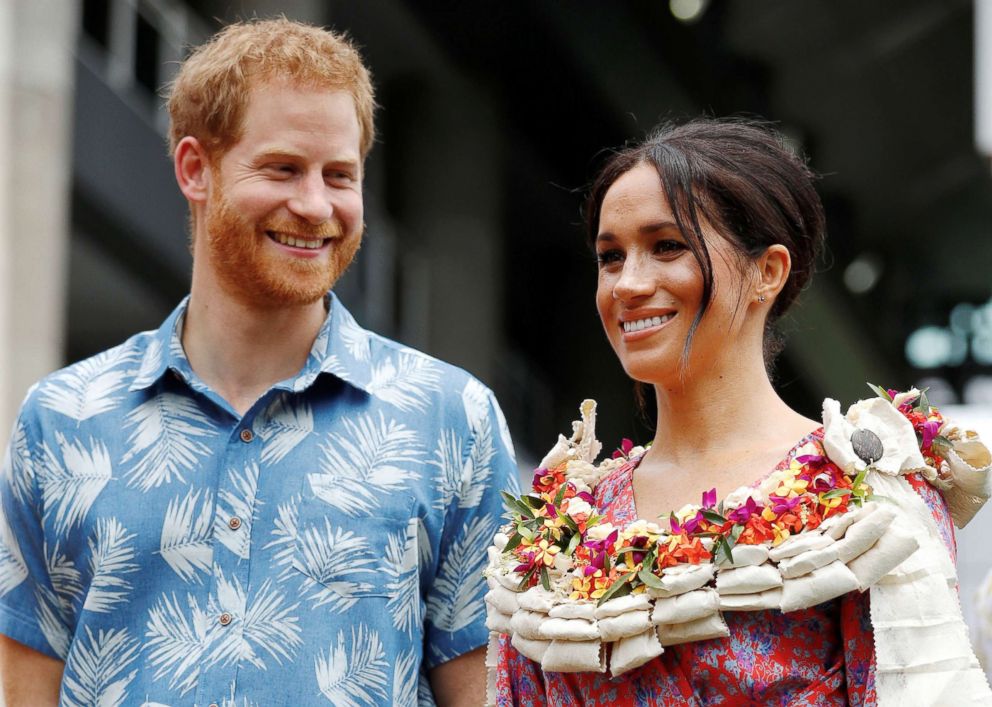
(297, 242)
(639, 324)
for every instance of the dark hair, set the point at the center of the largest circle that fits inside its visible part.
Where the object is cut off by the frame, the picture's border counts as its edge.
(740, 176)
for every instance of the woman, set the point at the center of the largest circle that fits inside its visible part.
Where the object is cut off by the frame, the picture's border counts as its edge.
(705, 234)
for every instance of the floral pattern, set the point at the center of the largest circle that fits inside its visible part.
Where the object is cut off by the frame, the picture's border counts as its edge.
(325, 547)
(818, 656)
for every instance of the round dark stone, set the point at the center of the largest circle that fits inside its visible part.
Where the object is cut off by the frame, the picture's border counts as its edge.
(867, 445)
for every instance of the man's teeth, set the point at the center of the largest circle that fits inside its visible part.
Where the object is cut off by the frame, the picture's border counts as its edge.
(298, 242)
(639, 324)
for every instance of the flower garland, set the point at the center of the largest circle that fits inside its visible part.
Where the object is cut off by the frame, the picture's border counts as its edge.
(556, 536)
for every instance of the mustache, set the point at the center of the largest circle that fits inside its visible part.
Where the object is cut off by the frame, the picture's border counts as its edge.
(299, 227)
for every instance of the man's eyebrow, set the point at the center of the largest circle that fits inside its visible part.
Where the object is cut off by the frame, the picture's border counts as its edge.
(276, 153)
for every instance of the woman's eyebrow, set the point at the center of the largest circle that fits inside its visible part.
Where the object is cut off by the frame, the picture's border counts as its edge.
(655, 227)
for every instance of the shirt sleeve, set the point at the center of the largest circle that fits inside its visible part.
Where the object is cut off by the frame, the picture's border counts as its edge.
(31, 611)
(456, 615)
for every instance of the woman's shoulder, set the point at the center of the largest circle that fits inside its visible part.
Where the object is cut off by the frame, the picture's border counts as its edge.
(902, 434)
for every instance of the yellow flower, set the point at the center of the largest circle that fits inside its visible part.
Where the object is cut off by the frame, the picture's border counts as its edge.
(589, 587)
(545, 553)
(791, 487)
(781, 535)
(829, 502)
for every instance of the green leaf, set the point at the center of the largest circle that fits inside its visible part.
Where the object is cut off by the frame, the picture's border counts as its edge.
(649, 579)
(573, 543)
(569, 523)
(526, 580)
(714, 517)
(882, 392)
(735, 533)
(560, 495)
(523, 510)
(860, 478)
(535, 502)
(941, 445)
(606, 563)
(513, 542)
(526, 532)
(836, 493)
(722, 551)
(923, 404)
(617, 589)
(545, 579)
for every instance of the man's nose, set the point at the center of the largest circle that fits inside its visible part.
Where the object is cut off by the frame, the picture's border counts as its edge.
(312, 200)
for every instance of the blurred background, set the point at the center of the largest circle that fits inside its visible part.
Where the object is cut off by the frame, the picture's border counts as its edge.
(493, 118)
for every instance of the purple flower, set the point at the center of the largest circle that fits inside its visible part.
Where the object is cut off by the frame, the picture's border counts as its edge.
(709, 498)
(931, 428)
(744, 513)
(552, 511)
(624, 451)
(781, 505)
(538, 475)
(586, 496)
(601, 545)
(823, 481)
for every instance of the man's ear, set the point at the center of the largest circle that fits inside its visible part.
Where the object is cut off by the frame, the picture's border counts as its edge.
(774, 266)
(192, 167)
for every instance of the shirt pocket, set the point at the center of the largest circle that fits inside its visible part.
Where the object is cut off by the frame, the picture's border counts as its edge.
(346, 557)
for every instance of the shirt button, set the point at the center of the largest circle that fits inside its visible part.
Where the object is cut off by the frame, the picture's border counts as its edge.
(234, 523)
(247, 435)
(225, 619)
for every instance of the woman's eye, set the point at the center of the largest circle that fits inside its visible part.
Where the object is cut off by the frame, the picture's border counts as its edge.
(608, 257)
(669, 247)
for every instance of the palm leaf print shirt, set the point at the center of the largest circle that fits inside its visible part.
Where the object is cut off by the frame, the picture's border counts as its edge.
(326, 547)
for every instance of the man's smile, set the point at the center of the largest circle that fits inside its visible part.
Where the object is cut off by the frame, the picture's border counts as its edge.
(297, 241)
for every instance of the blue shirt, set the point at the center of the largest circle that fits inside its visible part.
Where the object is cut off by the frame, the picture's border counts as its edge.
(326, 546)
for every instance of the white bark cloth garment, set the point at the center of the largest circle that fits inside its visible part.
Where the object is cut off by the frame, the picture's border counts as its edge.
(889, 546)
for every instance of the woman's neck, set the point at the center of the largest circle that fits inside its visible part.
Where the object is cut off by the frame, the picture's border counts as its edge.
(708, 416)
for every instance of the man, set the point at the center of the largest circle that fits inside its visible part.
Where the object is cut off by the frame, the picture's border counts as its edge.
(260, 503)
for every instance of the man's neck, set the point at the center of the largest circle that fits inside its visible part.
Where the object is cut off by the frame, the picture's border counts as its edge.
(241, 351)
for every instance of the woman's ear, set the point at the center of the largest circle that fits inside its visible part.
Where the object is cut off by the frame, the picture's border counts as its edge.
(192, 167)
(774, 266)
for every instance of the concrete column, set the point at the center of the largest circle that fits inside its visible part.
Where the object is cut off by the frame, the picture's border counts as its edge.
(37, 42)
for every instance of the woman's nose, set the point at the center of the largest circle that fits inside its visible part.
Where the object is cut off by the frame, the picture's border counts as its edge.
(636, 280)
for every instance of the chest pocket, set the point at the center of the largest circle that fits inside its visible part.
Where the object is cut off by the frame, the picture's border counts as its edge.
(348, 551)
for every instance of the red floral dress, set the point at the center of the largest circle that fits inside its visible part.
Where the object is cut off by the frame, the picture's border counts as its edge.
(823, 655)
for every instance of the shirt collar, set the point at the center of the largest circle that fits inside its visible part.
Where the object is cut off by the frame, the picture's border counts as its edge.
(342, 348)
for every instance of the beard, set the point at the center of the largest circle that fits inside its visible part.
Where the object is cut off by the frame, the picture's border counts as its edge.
(256, 273)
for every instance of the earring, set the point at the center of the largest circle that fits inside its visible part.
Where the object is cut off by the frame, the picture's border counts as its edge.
(761, 298)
